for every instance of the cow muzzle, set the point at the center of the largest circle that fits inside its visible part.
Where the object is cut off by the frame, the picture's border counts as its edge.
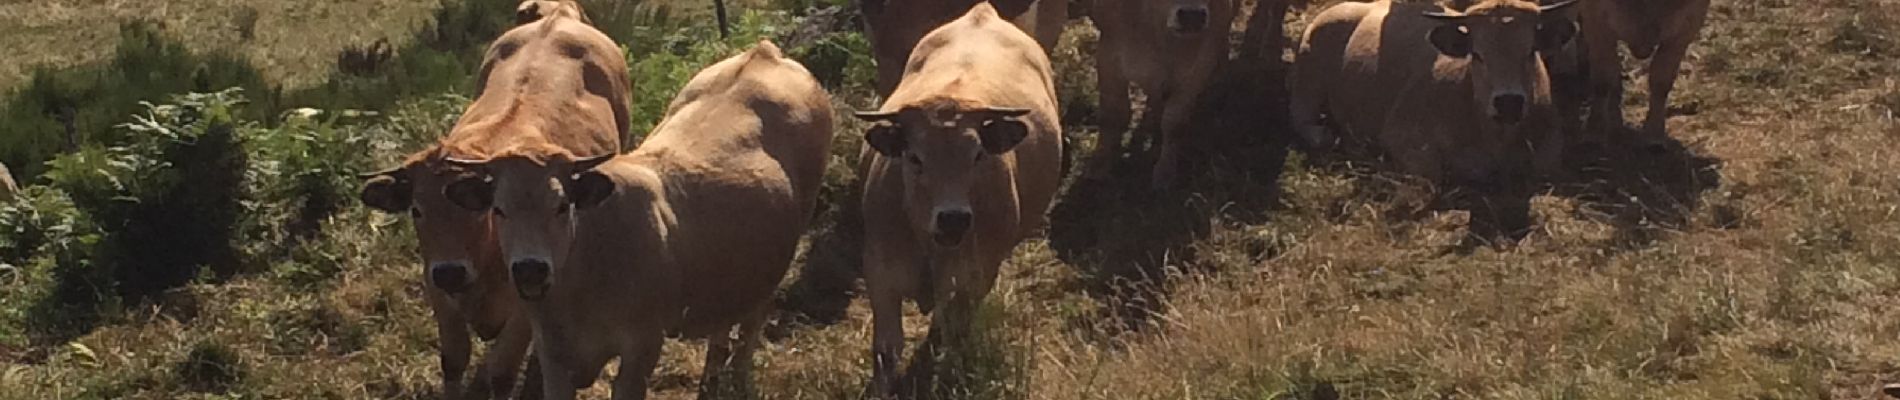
(1188, 20)
(951, 227)
(1508, 108)
(452, 278)
(531, 278)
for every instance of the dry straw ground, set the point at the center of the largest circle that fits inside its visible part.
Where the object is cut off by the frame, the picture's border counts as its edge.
(1760, 258)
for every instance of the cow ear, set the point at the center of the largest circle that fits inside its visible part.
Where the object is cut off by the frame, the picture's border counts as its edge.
(474, 193)
(589, 188)
(1554, 33)
(527, 12)
(1001, 134)
(887, 138)
(386, 191)
(1452, 40)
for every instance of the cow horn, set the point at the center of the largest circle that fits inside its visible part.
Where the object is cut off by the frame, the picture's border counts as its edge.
(465, 163)
(1445, 16)
(390, 172)
(1007, 112)
(875, 116)
(587, 163)
(1556, 7)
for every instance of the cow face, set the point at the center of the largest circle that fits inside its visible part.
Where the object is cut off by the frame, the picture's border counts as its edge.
(533, 203)
(942, 152)
(1182, 17)
(450, 238)
(1502, 39)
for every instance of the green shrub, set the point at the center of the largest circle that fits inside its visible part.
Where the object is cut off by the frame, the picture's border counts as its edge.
(61, 110)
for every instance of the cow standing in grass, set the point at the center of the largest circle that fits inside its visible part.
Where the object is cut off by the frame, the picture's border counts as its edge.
(1656, 30)
(552, 65)
(690, 233)
(960, 165)
(1170, 49)
(1450, 96)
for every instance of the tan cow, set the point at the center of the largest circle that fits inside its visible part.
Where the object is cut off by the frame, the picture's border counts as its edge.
(1453, 97)
(1656, 30)
(960, 166)
(534, 10)
(550, 67)
(1169, 49)
(689, 233)
(895, 26)
(7, 187)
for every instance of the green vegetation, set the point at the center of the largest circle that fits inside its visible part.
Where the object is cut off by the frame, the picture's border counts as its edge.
(200, 242)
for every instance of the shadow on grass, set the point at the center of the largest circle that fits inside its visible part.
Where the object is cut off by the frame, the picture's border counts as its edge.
(1126, 239)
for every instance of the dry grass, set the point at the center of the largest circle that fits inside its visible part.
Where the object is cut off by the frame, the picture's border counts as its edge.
(67, 33)
(1759, 262)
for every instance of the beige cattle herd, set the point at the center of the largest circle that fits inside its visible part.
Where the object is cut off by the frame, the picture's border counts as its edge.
(546, 232)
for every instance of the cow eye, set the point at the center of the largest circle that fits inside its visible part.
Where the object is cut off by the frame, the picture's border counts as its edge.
(914, 161)
(498, 212)
(564, 208)
(979, 156)
(415, 213)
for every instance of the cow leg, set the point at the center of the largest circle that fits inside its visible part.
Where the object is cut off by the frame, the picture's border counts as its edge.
(718, 357)
(1111, 83)
(531, 379)
(453, 340)
(1606, 82)
(557, 379)
(636, 367)
(1176, 114)
(887, 317)
(495, 376)
(751, 336)
(1664, 68)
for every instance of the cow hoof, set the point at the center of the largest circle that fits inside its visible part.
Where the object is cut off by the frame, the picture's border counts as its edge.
(1892, 390)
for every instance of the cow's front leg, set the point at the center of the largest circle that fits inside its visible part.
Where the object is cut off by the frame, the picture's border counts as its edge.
(636, 366)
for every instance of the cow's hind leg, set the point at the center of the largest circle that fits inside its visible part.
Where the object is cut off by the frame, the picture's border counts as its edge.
(1664, 68)
(1605, 80)
(1116, 109)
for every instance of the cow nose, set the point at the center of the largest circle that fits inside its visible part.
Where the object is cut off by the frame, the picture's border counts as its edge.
(951, 226)
(1509, 108)
(451, 278)
(1190, 20)
(531, 278)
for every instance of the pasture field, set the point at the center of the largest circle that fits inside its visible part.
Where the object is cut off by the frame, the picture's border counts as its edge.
(208, 246)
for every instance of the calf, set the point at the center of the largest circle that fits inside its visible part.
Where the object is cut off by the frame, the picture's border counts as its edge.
(1450, 96)
(690, 233)
(895, 26)
(1169, 49)
(1657, 30)
(960, 165)
(556, 66)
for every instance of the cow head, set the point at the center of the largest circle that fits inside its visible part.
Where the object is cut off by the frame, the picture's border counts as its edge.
(452, 240)
(1183, 17)
(942, 148)
(1502, 40)
(533, 200)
